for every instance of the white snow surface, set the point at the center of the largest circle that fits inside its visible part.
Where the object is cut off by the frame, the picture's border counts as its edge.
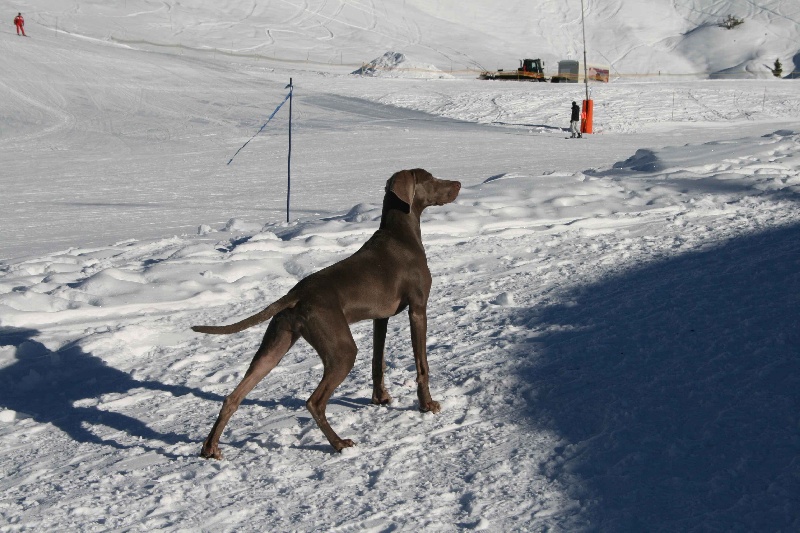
(612, 329)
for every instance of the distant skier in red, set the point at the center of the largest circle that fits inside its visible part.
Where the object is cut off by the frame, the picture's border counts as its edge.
(19, 22)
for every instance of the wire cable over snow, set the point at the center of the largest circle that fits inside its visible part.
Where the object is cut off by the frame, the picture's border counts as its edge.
(262, 127)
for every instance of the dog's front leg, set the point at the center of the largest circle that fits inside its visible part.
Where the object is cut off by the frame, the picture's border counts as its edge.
(380, 396)
(419, 333)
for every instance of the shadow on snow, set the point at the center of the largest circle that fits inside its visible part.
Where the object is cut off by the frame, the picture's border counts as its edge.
(676, 388)
(45, 386)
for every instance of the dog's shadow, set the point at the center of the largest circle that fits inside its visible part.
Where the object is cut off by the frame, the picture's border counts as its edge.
(50, 386)
(46, 386)
(307, 422)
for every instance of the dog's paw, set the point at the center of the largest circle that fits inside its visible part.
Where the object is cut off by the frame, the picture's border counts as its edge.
(343, 443)
(382, 398)
(430, 407)
(211, 453)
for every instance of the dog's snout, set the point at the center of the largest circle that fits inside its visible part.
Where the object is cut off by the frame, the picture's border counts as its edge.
(450, 192)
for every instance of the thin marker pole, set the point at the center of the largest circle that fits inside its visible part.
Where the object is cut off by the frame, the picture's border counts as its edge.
(673, 105)
(289, 163)
(585, 66)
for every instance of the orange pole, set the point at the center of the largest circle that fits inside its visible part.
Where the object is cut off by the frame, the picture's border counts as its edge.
(587, 114)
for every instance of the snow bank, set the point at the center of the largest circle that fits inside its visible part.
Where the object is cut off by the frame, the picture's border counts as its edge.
(396, 65)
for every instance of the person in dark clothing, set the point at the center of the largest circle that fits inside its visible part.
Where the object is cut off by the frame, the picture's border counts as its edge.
(574, 121)
(19, 22)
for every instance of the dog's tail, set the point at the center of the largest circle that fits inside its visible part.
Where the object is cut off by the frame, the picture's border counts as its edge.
(290, 300)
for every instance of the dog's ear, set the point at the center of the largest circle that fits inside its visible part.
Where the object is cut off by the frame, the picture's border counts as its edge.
(403, 184)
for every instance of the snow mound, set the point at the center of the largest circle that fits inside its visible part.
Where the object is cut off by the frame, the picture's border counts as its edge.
(397, 65)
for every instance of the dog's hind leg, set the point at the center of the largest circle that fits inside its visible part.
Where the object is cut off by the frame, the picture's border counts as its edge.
(277, 341)
(330, 336)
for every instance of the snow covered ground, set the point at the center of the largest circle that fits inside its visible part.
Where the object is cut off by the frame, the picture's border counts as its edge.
(613, 323)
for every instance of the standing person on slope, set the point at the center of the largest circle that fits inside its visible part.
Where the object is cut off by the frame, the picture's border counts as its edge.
(574, 121)
(19, 22)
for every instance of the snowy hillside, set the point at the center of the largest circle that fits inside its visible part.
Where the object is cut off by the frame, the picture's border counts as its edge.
(634, 38)
(612, 329)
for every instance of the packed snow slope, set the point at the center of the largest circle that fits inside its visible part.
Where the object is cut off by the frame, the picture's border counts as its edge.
(632, 37)
(612, 329)
(615, 349)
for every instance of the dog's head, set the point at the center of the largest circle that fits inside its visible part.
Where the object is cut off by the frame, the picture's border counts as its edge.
(418, 189)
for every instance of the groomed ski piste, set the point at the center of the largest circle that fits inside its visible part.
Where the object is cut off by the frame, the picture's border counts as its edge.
(612, 329)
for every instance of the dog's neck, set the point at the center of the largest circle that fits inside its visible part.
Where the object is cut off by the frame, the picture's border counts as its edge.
(399, 217)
